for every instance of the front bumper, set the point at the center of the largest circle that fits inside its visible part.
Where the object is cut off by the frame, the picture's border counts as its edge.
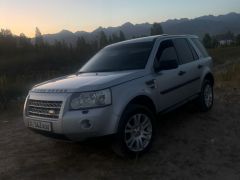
(75, 125)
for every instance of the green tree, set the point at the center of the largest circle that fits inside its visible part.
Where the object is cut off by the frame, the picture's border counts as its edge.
(8, 42)
(115, 38)
(83, 48)
(238, 40)
(24, 41)
(94, 47)
(207, 41)
(110, 41)
(103, 41)
(156, 29)
(122, 36)
(6, 33)
(81, 45)
(38, 38)
(230, 35)
(60, 45)
(215, 43)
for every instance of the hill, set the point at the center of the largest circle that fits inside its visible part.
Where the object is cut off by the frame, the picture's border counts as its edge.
(198, 26)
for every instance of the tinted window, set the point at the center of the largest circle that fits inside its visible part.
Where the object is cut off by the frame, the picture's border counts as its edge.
(201, 48)
(119, 58)
(194, 53)
(166, 51)
(183, 50)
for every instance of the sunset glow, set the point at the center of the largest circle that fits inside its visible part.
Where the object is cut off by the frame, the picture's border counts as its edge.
(52, 16)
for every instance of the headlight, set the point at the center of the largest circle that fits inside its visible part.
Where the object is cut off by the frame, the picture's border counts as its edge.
(91, 99)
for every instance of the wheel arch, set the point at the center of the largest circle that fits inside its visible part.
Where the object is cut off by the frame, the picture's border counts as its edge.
(140, 100)
(143, 100)
(209, 76)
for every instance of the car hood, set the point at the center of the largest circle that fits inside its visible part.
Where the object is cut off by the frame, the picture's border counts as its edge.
(87, 82)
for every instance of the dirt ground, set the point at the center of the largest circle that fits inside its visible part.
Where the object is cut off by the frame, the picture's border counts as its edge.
(189, 145)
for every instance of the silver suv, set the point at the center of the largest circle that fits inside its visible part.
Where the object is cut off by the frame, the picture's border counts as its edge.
(121, 90)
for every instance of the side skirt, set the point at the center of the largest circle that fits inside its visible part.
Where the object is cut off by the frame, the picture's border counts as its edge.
(175, 106)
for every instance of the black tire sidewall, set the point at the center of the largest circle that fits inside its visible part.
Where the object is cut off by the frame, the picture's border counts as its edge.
(120, 137)
(202, 102)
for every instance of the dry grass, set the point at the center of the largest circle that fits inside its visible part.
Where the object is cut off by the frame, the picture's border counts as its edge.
(228, 77)
(222, 55)
(3, 89)
(188, 145)
(226, 67)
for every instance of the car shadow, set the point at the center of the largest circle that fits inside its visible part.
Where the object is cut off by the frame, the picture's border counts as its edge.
(166, 125)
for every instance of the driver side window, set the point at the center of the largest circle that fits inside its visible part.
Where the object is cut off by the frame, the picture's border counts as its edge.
(166, 53)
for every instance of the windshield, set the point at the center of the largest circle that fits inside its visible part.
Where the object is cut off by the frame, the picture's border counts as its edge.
(120, 58)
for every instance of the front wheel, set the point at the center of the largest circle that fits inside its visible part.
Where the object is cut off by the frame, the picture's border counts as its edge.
(135, 133)
(206, 97)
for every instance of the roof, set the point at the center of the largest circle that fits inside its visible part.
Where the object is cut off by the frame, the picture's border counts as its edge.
(153, 38)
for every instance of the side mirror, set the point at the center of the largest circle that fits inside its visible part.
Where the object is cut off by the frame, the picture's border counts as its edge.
(167, 65)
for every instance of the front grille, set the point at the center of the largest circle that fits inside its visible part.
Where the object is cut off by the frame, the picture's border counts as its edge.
(45, 109)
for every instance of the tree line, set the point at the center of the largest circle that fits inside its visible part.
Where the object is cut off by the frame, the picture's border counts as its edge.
(30, 56)
(26, 61)
(225, 39)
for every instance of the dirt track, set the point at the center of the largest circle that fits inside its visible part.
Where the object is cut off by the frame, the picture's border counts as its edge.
(189, 145)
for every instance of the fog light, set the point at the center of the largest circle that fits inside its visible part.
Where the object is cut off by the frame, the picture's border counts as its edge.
(86, 124)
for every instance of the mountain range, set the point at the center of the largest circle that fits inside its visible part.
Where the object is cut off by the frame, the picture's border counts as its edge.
(199, 26)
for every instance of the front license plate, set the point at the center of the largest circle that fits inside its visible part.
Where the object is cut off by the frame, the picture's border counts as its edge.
(45, 126)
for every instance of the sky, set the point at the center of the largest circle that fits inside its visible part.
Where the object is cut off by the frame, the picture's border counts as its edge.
(51, 16)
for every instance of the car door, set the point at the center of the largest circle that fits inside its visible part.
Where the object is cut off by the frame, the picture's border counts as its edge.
(168, 80)
(190, 70)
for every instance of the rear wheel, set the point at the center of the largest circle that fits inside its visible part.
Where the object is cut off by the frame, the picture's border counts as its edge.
(206, 98)
(136, 131)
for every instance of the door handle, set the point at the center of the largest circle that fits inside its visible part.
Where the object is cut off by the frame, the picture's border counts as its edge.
(200, 66)
(181, 73)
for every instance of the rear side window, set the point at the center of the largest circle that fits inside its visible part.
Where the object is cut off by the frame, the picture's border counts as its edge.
(194, 53)
(201, 48)
(184, 51)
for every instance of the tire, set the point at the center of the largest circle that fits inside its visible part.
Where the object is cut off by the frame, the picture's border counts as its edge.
(135, 131)
(206, 97)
